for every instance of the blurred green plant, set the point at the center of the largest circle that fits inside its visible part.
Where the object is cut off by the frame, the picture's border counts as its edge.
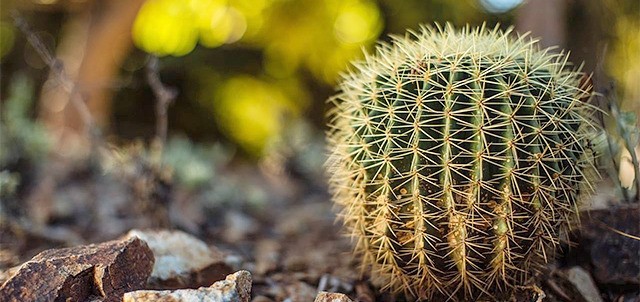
(194, 166)
(9, 182)
(629, 172)
(23, 144)
(298, 151)
(149, 183)
(191, 166)
(618, 145)
(156, 179)
(21, 138)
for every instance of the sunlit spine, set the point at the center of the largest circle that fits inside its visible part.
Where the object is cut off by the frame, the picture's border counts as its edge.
(458, 158)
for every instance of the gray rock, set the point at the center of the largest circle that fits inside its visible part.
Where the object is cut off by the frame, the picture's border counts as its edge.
(332, 297)
(582, 282)
(235, 288)
(267, 254)
(300, 292)
(182, 259)
(261, 299)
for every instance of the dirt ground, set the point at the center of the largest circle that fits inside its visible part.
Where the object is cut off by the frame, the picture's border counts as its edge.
(276, 220)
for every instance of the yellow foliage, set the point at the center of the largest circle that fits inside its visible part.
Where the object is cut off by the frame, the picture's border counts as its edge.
(624, 63)
(6, 38)
(170, 27)
(252, 111)
(220, 25)
(165, 27)
(321, 35)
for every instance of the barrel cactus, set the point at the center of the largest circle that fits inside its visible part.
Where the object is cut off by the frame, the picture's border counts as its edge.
(457, 158)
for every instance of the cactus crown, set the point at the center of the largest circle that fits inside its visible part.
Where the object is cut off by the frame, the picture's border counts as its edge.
(457, 158)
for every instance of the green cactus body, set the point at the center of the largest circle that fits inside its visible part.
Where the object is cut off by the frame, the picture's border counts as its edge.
(457, 158)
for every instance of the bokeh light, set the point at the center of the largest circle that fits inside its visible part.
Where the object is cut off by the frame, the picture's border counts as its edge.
(357, 23)
(165, 27)
(169, 27)
(252, 111)
(221, 24)
(295, 37)
(319, 36)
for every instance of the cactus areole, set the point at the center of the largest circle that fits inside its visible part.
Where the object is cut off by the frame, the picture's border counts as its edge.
(457, 158)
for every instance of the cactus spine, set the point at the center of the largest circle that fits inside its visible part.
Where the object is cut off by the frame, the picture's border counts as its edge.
(457, 158)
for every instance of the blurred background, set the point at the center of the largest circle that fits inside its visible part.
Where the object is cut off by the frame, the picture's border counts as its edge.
(246, 69)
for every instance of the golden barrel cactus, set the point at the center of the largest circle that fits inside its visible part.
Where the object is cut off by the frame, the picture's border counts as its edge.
(457, 158)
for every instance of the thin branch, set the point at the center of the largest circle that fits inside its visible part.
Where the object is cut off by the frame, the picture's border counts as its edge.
(619, 232)
(57, 69)
(165, 96)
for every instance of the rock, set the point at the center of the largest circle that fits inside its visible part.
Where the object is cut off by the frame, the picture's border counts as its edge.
(267, 254)
(333, 284)
(8, 258)
(182, 260)
(300, 292)
(607, 237)
(296, 261)
(235, 288)
(102, 271)
(261, 299)
(582, 282)
(8, 263)
(303, 218)
(7, 273)
(238, 226)
(331, 297)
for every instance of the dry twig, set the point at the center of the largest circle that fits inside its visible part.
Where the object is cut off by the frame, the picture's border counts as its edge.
(165, 96)
(57, 69)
